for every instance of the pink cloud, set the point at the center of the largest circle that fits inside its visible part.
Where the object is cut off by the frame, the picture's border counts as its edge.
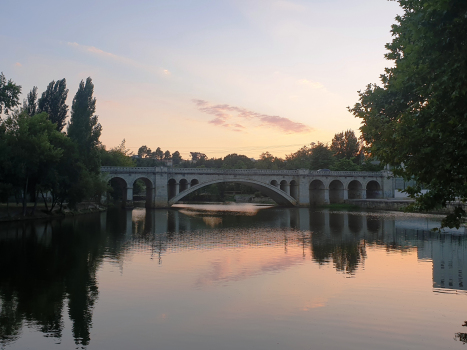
(223, 113)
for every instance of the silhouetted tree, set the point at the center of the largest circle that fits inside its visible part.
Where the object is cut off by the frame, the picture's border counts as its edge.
(53, 103)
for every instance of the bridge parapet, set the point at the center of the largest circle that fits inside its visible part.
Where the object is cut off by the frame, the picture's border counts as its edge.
(303, 172)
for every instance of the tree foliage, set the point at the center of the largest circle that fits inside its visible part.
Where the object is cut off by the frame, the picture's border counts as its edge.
(117, 156)
(53, 103)
(30, 104)
(9, 94)
(84, 128)
(345, 145)
(416, 121)
(144, 152)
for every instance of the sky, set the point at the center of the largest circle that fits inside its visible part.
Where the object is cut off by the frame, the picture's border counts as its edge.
(217, 77)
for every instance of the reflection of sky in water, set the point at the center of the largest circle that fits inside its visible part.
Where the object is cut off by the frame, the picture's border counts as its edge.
(202, 279)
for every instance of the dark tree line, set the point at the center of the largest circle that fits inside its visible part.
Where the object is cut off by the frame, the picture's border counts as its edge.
(345, 153)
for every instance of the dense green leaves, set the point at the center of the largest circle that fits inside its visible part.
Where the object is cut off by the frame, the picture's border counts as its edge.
(84, 128)
(9, 94)
(417, 120)
(52, 102)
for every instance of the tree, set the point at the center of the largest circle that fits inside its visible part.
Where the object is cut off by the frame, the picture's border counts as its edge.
(321, 156)
(300, 159)
(144, 152)
(158, 154)
(268, 161)
(84, 128)
(344, 164)
(176, 158)
(117, 156)
(53, 103)
(417, 120)
(31, 150)
(9, 94)
(345, 145)
(30, 104)
(237, 161)
(167, 155)
(196, 156)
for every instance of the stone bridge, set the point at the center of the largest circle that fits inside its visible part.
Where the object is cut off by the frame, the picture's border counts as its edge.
(302, 187)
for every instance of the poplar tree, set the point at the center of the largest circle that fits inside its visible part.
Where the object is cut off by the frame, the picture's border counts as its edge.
(84, 128)
(30, 104)
(53, 103)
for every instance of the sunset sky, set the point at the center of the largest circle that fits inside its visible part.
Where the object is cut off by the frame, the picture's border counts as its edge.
(218, 77)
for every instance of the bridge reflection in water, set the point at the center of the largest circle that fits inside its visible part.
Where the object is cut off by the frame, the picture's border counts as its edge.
(46, 268)
(331, 237)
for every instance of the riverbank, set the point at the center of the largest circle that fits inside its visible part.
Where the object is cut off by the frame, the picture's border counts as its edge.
(396, 204)
(14, 211)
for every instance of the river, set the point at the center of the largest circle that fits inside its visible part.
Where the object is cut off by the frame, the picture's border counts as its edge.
(233, 277)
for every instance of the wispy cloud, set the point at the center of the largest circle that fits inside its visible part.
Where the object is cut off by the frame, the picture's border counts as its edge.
(231, 117)
(17, 64)
(313, 84)
(121, 59)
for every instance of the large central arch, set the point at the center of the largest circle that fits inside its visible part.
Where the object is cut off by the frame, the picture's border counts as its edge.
(276, 194)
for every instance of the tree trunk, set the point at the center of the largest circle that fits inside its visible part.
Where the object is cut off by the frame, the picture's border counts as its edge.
(24, 196)
(36, 194)
(45, 202)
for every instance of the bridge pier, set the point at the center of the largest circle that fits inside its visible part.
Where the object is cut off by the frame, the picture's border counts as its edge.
(128, 200)
(326, 196)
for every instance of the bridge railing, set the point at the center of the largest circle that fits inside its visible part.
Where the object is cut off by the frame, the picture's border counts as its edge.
(301, 172)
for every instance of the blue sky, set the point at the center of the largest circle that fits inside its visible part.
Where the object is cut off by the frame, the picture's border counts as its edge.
(271, 75)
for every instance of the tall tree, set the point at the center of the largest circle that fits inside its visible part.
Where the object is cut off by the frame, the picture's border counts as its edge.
(345, 145)
(144, 152)
(84, 128)
(417, 120)
(321, 156)
(53, 103)
(30, 104)
(167, 155)
(301, 159)
(176, 158)
(158, 154)
(9, 94)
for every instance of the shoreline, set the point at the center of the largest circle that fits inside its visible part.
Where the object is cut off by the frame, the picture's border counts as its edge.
(41, 215)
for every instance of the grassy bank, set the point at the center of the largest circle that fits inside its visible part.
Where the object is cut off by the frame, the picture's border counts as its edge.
(14, 212)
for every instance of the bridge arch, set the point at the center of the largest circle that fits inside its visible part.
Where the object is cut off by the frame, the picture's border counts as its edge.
(149, 195)
(317, 192)
(336, 192)
(276, 194)
(355, 189)
(373, 190)
(119, 187)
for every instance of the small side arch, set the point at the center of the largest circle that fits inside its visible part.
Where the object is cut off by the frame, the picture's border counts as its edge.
(373, 190)
(149, 191)
(317, 192)
(336, 192)
(355, 189)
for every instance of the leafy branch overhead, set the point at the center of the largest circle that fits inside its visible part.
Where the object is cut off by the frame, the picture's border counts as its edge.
(416, 120)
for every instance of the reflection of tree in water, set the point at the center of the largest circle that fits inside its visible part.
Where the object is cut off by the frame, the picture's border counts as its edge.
(40, 267)
(345, 254)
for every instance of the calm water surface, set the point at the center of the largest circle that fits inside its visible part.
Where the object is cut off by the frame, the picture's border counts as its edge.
(232, 277)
